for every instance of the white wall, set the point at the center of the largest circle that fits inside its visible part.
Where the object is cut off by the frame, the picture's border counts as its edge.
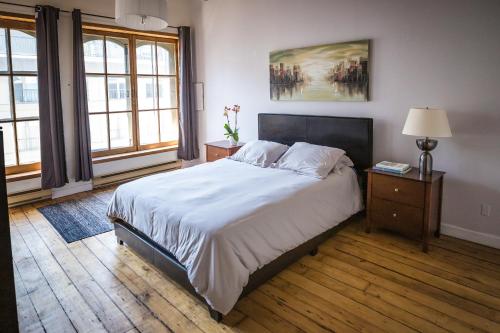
(178, 14)
(425, 53)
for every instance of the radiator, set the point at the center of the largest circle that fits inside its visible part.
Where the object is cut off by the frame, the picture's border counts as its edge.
(121, 177)
(27, 197)
(31, 196)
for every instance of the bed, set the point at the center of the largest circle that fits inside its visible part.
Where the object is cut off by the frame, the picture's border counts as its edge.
(223, 228)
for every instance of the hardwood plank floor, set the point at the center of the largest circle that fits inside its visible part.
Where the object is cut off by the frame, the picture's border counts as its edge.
(357, 283)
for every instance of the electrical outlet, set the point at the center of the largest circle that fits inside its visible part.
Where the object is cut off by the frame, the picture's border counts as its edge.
(485, 210)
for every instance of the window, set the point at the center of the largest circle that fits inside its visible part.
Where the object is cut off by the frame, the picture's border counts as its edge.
(156, 91)
(108, 92)
(19, 96)
(131, 91)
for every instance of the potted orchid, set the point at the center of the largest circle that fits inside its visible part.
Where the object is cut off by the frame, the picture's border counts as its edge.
(232, 132)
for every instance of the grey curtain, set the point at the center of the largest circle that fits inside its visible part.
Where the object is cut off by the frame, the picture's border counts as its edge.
(188, 122)
(49, 96)
(83, 152)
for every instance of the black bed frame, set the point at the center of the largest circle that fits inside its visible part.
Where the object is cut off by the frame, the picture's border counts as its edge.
(354, 135)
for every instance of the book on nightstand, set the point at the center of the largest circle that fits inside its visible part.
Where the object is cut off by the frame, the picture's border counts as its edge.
(399, 168)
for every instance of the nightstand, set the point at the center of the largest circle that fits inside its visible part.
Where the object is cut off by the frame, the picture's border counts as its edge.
(407, 204)
(220, 149)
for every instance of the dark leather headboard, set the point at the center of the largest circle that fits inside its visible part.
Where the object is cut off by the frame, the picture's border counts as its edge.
(354, 135)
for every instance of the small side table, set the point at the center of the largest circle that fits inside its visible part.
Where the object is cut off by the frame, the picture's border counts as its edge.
(407, 204)
(220, 149)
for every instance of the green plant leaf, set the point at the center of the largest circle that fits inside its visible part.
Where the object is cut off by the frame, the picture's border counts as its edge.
(228, 129)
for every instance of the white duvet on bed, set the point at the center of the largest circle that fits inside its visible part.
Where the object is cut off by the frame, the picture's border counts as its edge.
(224, 220)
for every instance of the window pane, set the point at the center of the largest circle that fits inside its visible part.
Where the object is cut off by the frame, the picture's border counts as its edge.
(98, 132)
(9, 144)
(117, 55)
(120, 126)
(119, 93)
(23, 46)
(93, 50)
(146, 60)
(146, 92)
(5, 98)
(3, 50)
(26, 96)
(167, 92)
(166, 58)
(28, 141)
(169, 125)
(96, 93)
(148, 127)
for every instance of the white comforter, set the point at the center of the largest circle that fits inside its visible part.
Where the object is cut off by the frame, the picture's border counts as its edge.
(224, 220)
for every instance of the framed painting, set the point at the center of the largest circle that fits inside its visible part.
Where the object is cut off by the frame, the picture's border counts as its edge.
(332, 72)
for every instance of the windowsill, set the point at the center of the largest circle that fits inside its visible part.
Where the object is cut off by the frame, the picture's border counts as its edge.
(23, 176)
(117, 157)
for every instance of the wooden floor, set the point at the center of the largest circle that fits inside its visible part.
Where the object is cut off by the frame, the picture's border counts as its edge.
(357, 282)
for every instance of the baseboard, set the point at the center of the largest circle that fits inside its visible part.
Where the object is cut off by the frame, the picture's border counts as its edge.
(470, 235)
(71, 188)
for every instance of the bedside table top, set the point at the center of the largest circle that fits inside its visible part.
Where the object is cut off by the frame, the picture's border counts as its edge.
(223, 144)
(413, 174)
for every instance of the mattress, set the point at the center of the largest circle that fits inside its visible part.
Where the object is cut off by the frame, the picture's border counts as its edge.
(226, 219)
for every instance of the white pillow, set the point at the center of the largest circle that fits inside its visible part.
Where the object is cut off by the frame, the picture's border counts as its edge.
(343, 162)
(260, 153)
(311, 160)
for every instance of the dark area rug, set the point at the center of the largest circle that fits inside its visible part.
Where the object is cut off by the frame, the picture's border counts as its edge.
(78, 219)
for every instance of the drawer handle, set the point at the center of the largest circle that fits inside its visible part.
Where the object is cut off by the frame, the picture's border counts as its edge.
(396, 189)
(394, 215)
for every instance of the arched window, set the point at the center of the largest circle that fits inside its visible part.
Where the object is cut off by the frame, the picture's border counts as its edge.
(156, 91)
(108, 92)
(131, 91)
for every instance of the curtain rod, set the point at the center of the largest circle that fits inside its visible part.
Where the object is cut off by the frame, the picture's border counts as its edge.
(65, 11)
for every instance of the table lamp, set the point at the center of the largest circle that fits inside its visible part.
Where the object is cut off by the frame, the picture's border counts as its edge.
(427, 122)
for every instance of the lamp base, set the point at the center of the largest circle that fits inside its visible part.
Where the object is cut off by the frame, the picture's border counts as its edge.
(425, 163)
(425, 160)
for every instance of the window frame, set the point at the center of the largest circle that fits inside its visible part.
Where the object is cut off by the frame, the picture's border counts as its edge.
(21, 22)
(132, 36)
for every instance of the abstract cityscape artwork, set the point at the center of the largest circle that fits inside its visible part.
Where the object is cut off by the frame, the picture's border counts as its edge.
(333, 72)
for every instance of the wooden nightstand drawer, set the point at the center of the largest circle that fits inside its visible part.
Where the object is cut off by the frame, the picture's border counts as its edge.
(215, 153)
(399, 217)
(399, 190)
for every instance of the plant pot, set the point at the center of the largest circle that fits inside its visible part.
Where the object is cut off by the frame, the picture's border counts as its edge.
(232, 141)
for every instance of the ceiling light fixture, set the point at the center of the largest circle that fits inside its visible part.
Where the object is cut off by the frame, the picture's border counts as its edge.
(141, 14)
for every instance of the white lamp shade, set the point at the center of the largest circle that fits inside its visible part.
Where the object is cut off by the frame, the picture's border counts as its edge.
(427, 122)
(141, 14)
